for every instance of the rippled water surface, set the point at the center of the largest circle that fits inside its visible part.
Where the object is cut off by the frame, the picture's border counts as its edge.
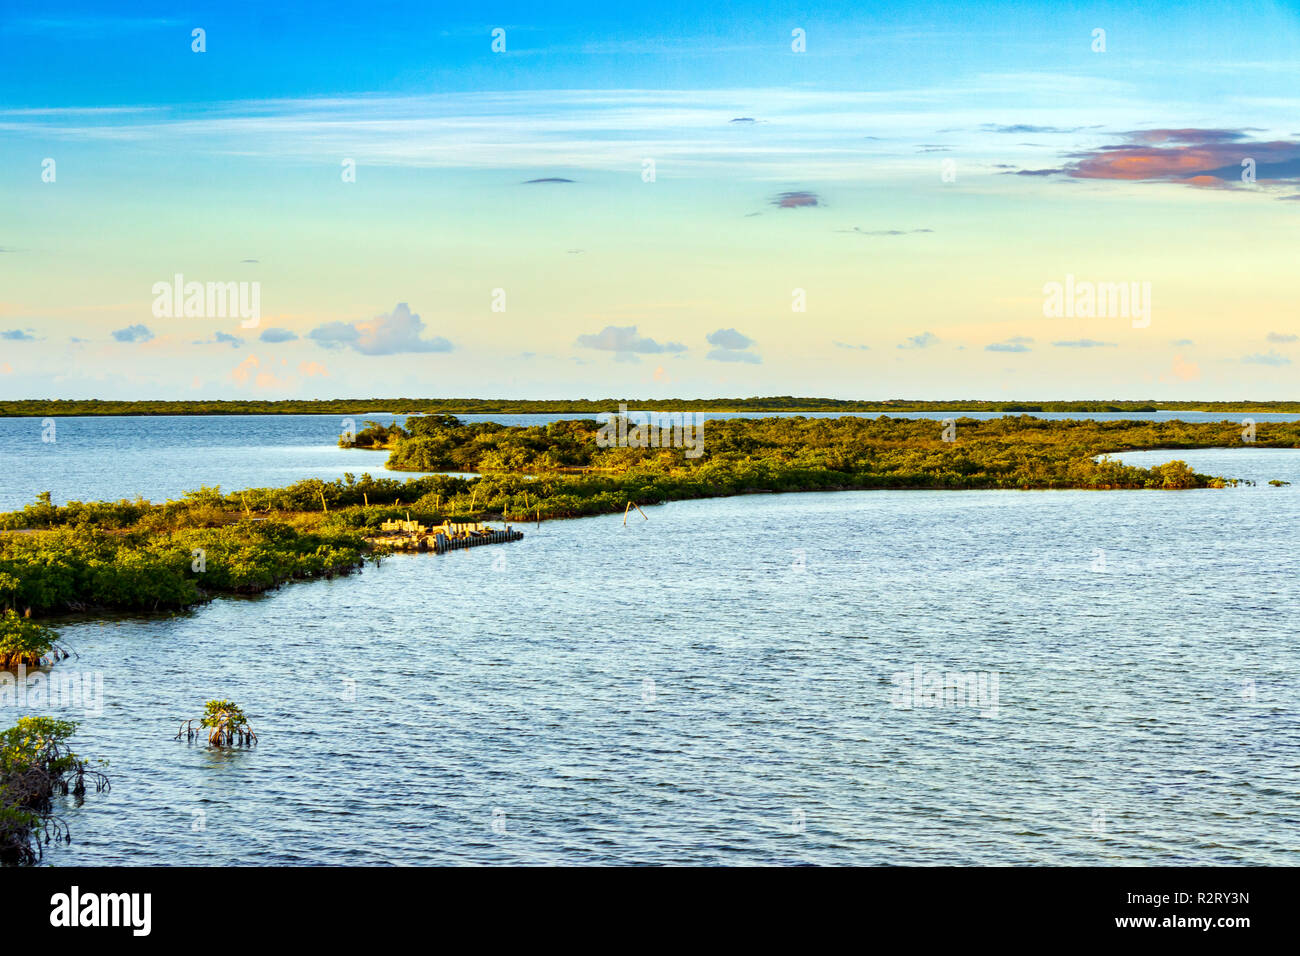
(717, 684)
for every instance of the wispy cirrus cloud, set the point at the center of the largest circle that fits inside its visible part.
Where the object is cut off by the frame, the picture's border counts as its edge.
(1019, 343)
(1267, 358)
(1027, 128)
(858, 230)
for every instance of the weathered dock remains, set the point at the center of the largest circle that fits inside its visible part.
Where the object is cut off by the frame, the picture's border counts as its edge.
(448, 536)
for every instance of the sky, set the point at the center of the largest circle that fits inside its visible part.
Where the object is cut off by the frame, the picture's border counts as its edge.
(852, 200)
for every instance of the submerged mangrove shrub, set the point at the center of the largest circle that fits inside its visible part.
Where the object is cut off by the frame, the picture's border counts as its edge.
(226, 725)
(35, 766)
(25, 642)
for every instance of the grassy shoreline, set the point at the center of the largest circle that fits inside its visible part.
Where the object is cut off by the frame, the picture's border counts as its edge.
(141, 556)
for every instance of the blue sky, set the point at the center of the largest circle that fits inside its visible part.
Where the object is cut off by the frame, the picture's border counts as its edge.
(919, 171)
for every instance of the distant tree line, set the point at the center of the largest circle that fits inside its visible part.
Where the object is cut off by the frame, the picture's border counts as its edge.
(484, 406)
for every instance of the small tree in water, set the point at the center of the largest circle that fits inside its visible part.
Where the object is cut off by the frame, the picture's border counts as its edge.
(25, 642)
(226, 725)
(35, 766)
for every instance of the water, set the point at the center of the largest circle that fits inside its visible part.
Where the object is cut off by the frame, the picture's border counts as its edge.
(161, 457)
(717, 685)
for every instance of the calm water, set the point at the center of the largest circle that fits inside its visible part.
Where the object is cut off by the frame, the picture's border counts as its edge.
(717, 685)
(160, 457)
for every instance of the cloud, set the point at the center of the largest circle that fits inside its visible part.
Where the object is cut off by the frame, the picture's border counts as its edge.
(1085, 344)
(133, 333)
(1196, 157)
(275, 336)
(730, 355)
(247, 372)
(845, 345)
(18, 335)
(744, 119)
(796, 200)
(922, 341)
(883, 232)
(6, 369)
(222, 338)
(1182, 371)
(1184, 342)
(1017, 343)
(732, 346)
(1027, 128)
(547, 179)
(1281, 337)
(1271, 358)
(393, 333)
(308, 369)
(625, 343)
(243, 372)
(1034, 172)
(729, 339)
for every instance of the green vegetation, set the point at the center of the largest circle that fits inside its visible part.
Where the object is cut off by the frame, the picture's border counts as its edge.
(24, 642)
(583, 406)
(135, 555)
(36, 765)
(797, 453)
(226, 725)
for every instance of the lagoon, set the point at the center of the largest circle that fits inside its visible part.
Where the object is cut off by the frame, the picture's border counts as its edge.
(717, 685)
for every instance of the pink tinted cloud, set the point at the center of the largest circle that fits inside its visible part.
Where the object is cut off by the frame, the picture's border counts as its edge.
(1205, 158)
(795, 200)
